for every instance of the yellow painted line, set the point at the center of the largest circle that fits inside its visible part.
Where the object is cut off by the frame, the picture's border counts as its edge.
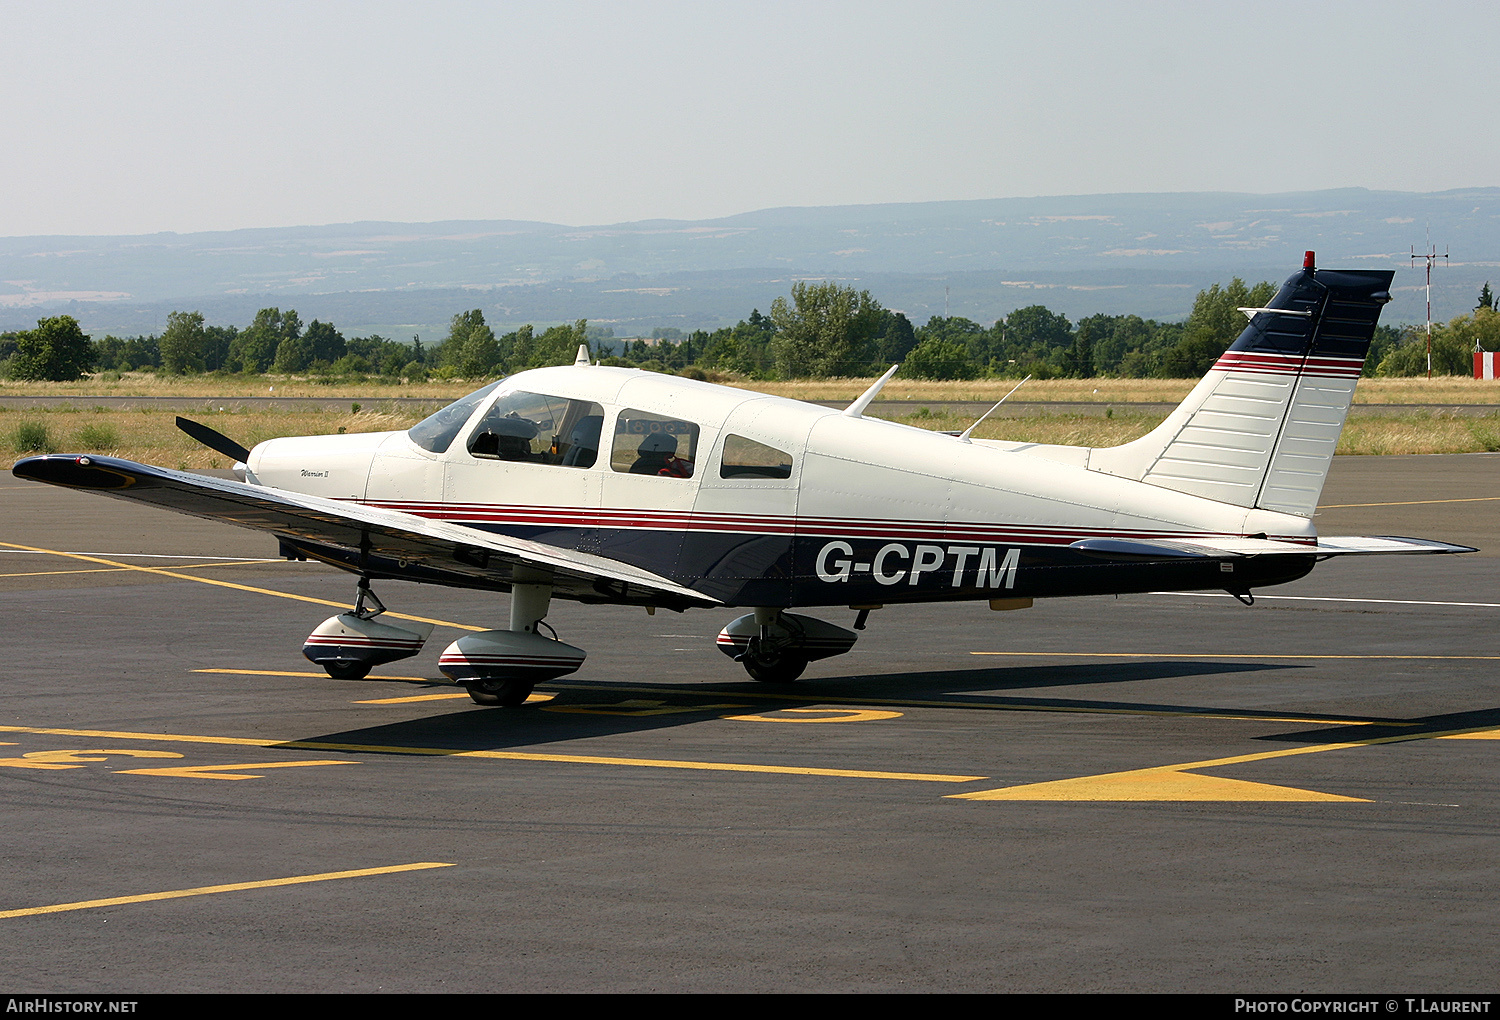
(1411, 502)
(570, 759)
(1166, 784)
(532, 699)
(418, 697)
(1169, 783)
(1229, 655)
(113, 570)
(208, 890)
(162, 571)
(1473, 735)
(227, 771)
(319, 674)
(819, 715)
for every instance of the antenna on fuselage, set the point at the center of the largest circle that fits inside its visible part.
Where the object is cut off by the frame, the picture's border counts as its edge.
(965, 434)
(857, 409)
(583, 355)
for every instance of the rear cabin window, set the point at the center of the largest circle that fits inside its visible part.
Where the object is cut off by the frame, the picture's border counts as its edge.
(745, 458)
(536, 428)
(654, 444)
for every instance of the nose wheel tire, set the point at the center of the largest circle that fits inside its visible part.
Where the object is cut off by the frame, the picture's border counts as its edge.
(499, 693)
(775, 669)
(347, 671)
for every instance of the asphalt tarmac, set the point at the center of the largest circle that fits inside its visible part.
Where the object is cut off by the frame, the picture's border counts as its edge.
(1150, 793)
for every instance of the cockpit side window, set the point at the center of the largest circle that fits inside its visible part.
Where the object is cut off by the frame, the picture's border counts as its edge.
(435, 432)
(647, 443)
(745, 458)
(537, 428)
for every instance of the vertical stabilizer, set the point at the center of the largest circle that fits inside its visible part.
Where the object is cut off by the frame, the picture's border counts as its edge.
(1259, 430)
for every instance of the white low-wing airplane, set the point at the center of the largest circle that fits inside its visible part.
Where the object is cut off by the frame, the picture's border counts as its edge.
(611, 485)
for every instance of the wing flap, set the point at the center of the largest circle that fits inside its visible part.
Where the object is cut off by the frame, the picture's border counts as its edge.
(487, 558)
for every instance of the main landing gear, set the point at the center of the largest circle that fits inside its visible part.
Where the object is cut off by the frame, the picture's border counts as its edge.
(349, 645)
(500, 667)
(775, 646)
(497, 667)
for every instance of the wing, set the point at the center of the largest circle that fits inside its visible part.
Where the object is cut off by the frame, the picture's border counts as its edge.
(383, 543)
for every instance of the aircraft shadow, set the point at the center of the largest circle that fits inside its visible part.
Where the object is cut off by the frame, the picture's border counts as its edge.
(1473, 719)
(583, 710)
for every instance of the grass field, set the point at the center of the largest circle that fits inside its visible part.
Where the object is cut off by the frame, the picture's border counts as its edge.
(1440, 390)
(150, 435)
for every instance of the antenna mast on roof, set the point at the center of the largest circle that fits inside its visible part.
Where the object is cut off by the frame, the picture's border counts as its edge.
(1429, 255)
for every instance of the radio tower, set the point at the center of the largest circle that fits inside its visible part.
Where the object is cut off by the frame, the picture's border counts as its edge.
(1430, 255)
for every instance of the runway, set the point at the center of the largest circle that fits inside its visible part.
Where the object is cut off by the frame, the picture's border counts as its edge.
(1151, 793)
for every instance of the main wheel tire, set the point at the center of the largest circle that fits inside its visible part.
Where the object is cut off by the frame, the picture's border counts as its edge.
(347, 670)
(499, 693)
(780, 669)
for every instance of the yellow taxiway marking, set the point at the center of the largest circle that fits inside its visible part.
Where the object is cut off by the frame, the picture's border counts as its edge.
(75, 759)
(570, 759)
(531, 699)
(208, 890)
(1175, 783)
(1230, 655)
(1410, 502)
(1473, 735)
(313, 673)
(163, 572)
(114, 570)
(227, 771)
(819, 715)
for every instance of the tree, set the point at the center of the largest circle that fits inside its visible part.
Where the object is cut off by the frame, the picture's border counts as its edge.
(1452, 346)
(325, 342)
(557, 346)
(1078, 359)
(255, 348)
(56, 350)
(293, 354)
(182, 343)
(471, 350)
(826, 330)
(896, 340)
(1486, 298)
(937, 358)
(1214, 323)
(956, 329)
(217, 342)
(1031, 341)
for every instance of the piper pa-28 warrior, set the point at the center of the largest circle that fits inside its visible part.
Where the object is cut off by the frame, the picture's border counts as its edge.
(613, 485)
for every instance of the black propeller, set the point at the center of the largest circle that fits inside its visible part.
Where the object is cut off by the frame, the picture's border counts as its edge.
(214, 440)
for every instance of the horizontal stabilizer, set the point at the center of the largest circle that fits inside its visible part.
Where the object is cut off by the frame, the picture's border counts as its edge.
(1128, 549)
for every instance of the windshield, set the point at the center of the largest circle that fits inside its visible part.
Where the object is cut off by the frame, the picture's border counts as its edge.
(435, 432)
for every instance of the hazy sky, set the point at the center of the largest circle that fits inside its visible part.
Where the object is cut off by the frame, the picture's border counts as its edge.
(140, 117)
